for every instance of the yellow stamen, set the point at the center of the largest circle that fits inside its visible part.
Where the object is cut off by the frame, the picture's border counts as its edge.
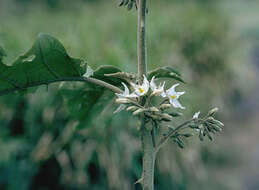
(141, 90)
(173, 97)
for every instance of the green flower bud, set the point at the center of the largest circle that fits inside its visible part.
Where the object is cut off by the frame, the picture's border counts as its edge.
(122, 101)
(132, 108)
(212, 112)
(216, 127)
(154, 109)
(138, 111)
(201, 134)
(166, 117)
(187, 135)
(165, 106)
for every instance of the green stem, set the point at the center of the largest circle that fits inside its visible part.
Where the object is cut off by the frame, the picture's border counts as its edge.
(148, 159)
(142, 51)
(146, 137)
(68, 79)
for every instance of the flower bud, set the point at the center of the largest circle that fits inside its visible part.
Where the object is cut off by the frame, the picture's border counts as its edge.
(216, 127)
(201, 134)
(187, 135)
(154, 109)
(122, 101)
(138, 111)
(166, 117)
(212, 112)
(165, 106)
(214, 121)
(132, 108)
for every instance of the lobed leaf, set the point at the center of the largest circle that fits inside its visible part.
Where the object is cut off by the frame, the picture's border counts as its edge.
(46, 62)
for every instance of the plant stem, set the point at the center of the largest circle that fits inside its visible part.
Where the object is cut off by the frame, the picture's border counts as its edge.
(103, 84)
(148, 159)
(142, 51)
(68, 79)
(146, 137)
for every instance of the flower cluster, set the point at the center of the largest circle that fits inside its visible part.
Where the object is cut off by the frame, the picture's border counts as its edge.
(206, 126)
(143, 89)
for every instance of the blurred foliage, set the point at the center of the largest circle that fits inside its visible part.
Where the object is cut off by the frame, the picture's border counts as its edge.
(41, 147)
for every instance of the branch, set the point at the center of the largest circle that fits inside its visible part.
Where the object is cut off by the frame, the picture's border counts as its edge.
(170, 134)
(78, 79)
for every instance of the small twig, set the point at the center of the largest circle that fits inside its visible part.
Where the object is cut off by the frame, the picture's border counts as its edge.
(170, 134)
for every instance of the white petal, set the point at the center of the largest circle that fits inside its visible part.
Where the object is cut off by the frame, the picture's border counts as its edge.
(163, 94)
(163, 85)
(132, 95)
(177, 104)
(120, 108)
(172, 89)
(153, 84)
(145, 80)
(179, 93)
(125, 93)
(138, 93)
(126, 90)
(119, 95)
(196, 115)
(145, 84)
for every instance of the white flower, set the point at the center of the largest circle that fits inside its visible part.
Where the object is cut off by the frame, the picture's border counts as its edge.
(196, 115)
(122, 98)
(173, 97)
(141, 90)
(157, 90)
(126, 93)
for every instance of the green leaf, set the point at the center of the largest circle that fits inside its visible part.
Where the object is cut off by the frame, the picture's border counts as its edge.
(46, 62)
(2, 53)
(165, 72)
(100, 72)
(87, 101)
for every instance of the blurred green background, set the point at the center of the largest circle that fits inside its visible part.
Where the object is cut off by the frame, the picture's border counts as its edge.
(215, 45)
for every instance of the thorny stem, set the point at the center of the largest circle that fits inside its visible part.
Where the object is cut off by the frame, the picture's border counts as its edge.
(146, 137)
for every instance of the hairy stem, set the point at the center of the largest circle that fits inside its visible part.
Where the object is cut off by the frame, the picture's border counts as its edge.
(142, 51)
(148, 159)
(146, 137)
